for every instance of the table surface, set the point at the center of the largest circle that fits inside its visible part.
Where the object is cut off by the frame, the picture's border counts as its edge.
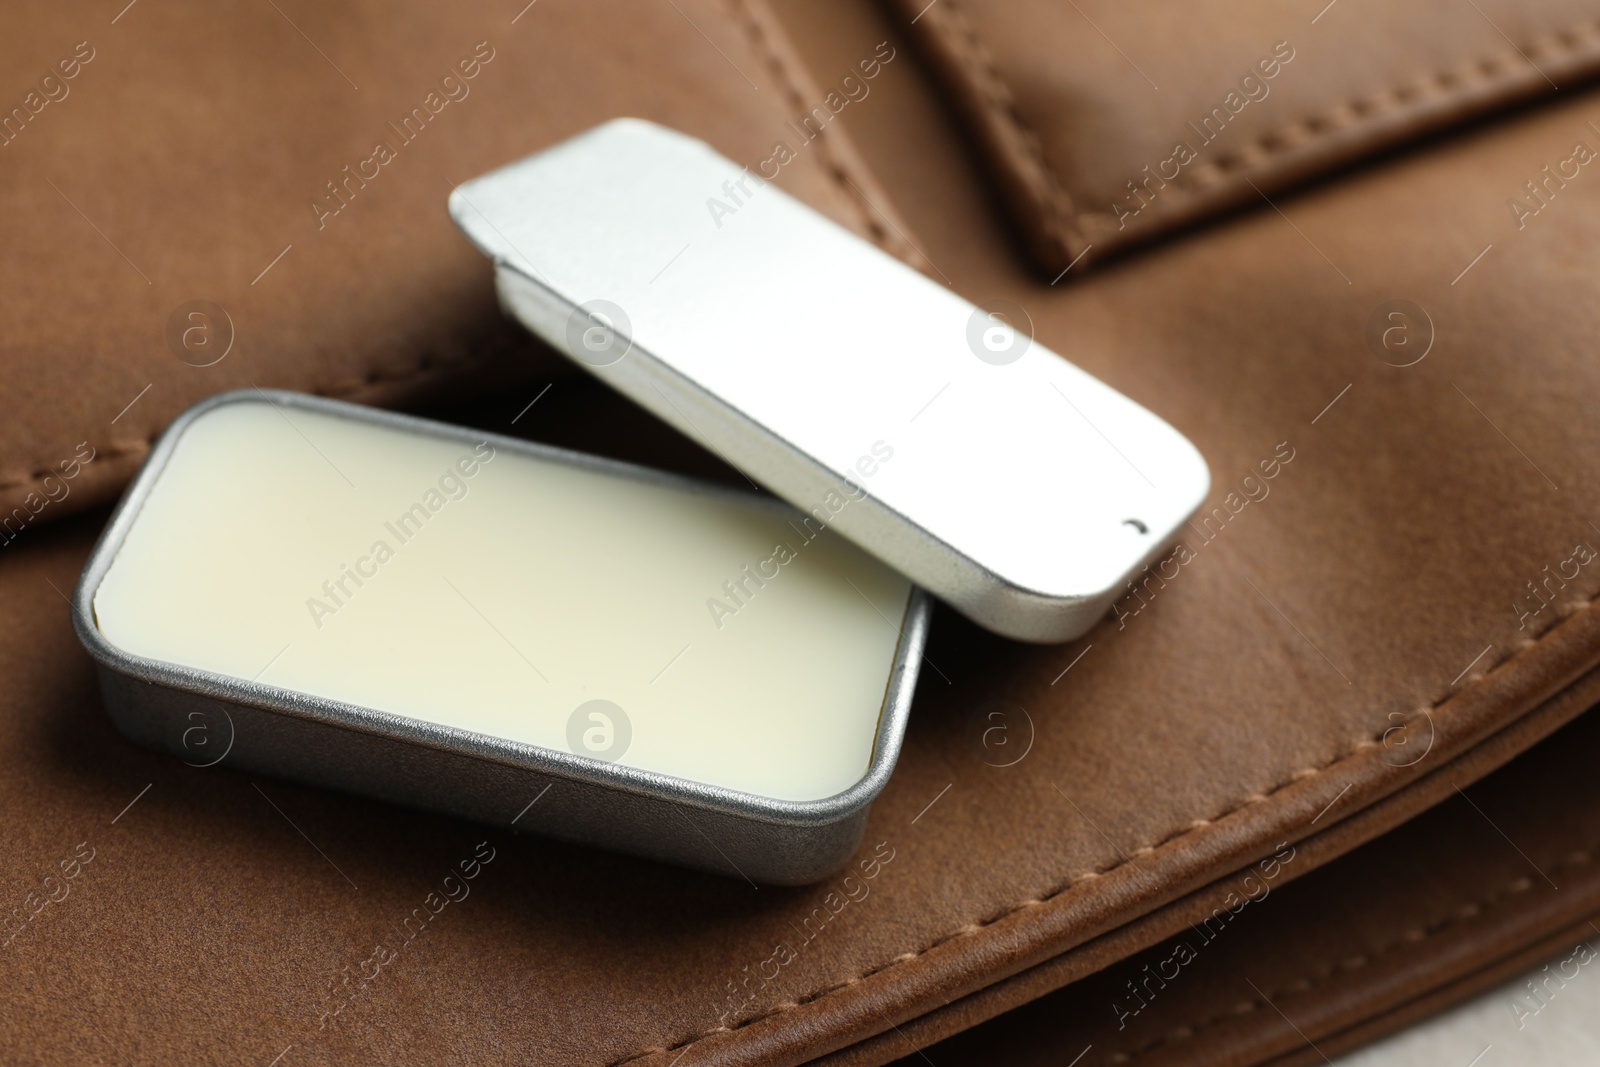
(1507, 1025)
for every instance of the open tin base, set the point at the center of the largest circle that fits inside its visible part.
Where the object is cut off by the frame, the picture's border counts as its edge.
(224, 717)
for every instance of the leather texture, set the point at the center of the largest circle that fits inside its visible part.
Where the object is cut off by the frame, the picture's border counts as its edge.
(1351, 636)
(1498, 878)
(1106, 124)
(185, 166)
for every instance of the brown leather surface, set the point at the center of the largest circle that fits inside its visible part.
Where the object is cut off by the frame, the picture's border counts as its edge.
(1499, 877)
(1105, 123)
(188, 154)
(1434, 982)
(1277, 691)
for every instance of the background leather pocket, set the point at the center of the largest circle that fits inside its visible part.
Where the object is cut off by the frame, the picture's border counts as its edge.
(1104, 124)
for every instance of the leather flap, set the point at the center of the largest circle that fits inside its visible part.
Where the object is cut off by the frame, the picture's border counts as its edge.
(1105, 124)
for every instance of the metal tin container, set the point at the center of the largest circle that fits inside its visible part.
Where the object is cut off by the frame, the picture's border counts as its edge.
(208, 718)
(1023, 491)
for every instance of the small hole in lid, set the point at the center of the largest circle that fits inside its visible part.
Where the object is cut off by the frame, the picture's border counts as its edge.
(1137, 525)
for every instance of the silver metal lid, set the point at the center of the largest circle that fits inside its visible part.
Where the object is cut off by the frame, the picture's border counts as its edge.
(930, 431)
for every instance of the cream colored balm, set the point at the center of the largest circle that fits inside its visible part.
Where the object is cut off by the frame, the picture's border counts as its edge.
(708, 636)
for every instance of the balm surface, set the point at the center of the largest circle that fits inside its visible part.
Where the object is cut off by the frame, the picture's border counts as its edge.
(472, 587)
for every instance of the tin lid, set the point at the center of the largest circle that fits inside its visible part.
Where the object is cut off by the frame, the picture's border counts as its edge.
(930, 431)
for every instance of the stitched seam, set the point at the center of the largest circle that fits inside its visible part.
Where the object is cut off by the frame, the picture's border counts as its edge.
(1320, 126)
(831, 166)
(425, 365)
(1453, 83)
(996, 98)
(1326, 970)
(1568, 612)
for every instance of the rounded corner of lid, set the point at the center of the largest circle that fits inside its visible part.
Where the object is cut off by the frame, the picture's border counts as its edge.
(1201, 471)
(630, 124)
(455, 205)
